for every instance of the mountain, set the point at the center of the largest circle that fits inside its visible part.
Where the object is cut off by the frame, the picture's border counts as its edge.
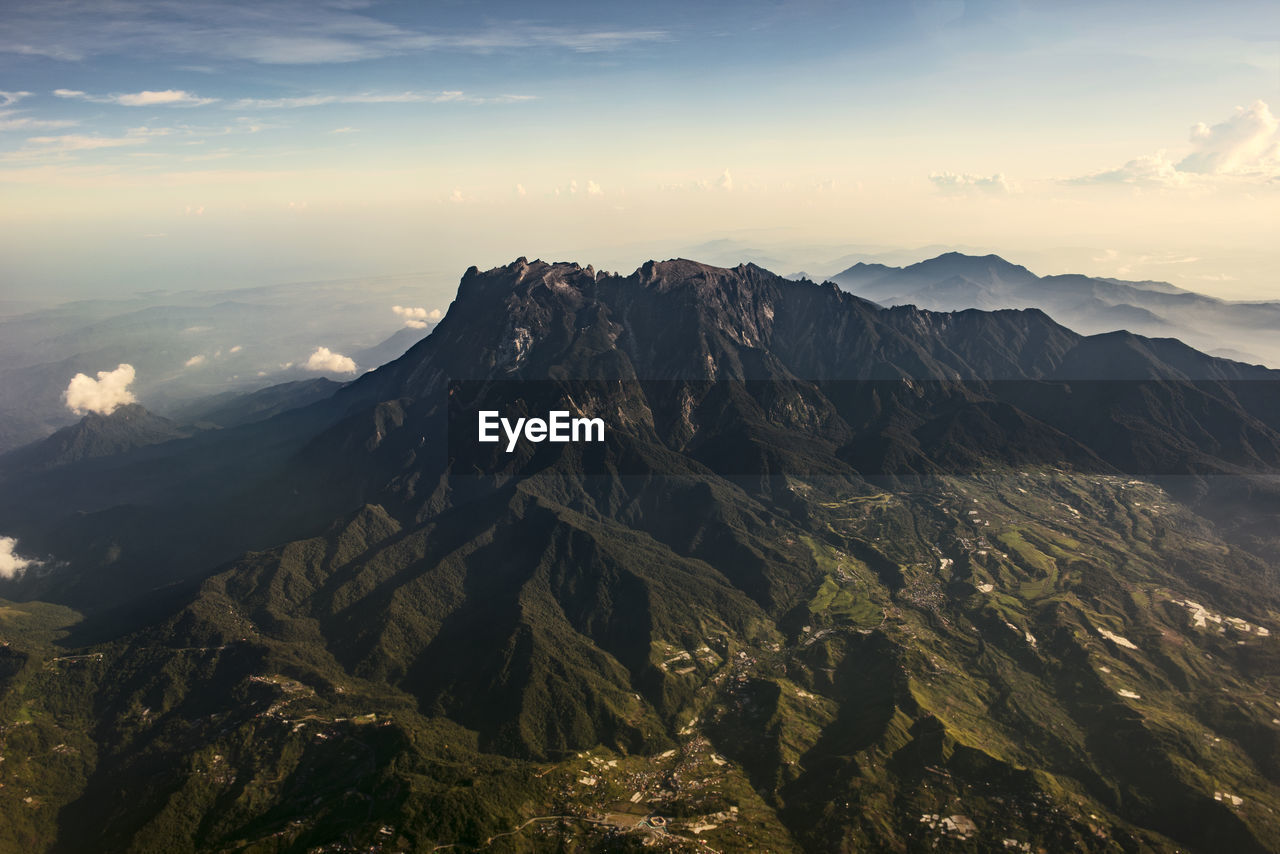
(954, 281)
(837, 577)
(125, 429)
(231, 409)
(187, 346)
(392, 348)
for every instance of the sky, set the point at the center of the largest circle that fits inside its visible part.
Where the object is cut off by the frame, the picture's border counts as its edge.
(188, 144)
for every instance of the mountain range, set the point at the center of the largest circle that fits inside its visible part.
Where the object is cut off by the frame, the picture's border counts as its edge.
(1244, 331)
(840, 577)
(189, 346)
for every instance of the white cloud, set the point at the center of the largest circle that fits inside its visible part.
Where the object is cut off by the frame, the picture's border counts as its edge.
(417, 317)
(236, 349)
(593, 189)
(79, 142)
(725, 181)
(284, 32)
(8, 98)
(1244, 147)
(197, 359)
(456, 196)
(103, 395)
(964, 182)
(520, 191)
(9, 120)
(1247, 143)
(1149, 170)
(325, 360)
(146, 98)
(444, 97)
(13, 564)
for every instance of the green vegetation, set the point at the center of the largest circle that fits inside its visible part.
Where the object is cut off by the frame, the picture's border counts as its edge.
(894, 673)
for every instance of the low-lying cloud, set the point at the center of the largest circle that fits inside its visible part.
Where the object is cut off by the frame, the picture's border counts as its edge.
(12, 564)
(327, 361)
(104, 395)
(417, 317)
(962, 182)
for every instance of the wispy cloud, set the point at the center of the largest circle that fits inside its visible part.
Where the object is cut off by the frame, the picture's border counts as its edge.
(11, 120)
(953, 182)
(146, 98)
(1243, 147)
(68, 143)
(287, 32)
(318, 100)
(417, 317)
(10, 98)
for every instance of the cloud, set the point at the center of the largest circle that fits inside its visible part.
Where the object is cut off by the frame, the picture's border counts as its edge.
(1243, 147)
(1149, 170)
(103, 395)
(456, 196)
(417, 317)
(9, 120)
(520, 190)
(318, 100)
(325, 360)
(1247, 143)
(197, 359)
(147, 98)
(725, 181)
(285, 32)
(68, 143)
(593, 189)
(13, 564)
(952, 182)
(9, 98)
(236, 349)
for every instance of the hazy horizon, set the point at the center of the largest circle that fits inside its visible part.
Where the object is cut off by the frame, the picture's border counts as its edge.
(152, 145)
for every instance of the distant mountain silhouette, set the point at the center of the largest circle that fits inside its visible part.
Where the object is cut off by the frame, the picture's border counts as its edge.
(954, 281)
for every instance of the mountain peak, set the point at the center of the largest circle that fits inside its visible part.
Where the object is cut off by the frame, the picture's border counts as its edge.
(126, 428)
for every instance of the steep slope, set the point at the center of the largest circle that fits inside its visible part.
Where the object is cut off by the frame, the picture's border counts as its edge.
(838, 578)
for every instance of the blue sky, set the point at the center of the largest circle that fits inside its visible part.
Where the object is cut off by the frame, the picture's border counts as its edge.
(168, 144)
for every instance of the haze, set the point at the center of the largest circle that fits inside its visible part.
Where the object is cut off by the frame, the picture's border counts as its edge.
(169, 145)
